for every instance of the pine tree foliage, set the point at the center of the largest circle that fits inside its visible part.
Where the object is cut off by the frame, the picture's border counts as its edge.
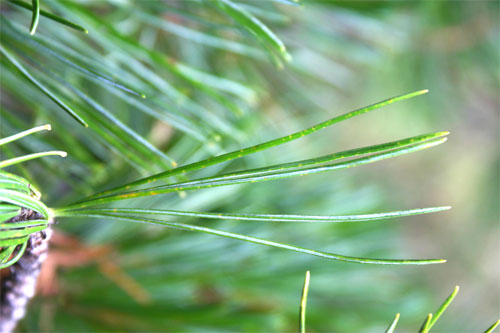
(156, 106)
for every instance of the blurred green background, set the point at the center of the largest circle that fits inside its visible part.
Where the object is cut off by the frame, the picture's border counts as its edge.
(345, 55)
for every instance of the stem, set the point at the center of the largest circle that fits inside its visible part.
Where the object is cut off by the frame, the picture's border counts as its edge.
(19, 287)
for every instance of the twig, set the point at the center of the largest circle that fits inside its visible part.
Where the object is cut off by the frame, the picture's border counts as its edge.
(19, 287)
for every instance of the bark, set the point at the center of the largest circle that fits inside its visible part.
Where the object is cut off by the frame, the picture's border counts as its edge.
(19, 287)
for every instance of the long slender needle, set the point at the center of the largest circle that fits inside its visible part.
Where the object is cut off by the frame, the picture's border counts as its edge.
(443, 306)
(391, 328)
(303, 303)
(20, 159)
(50, 16)
(36, 16)
(492, 327)
(425, 325)
(260, 241)
(24, 133)
(256, 217)
(40, 86)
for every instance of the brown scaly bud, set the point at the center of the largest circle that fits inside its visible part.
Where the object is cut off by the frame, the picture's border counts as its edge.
(19, 287)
